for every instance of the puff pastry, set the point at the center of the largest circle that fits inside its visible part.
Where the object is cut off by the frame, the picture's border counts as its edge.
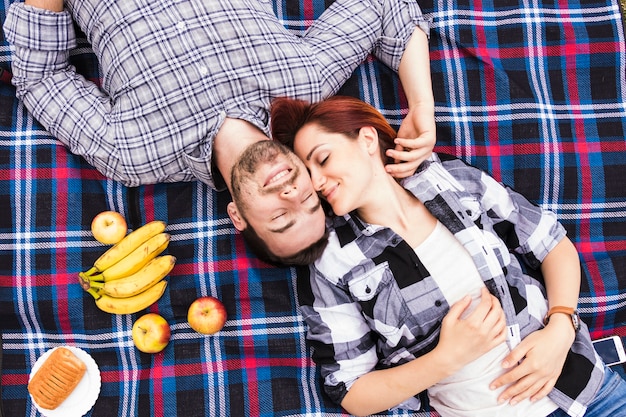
(57, 377)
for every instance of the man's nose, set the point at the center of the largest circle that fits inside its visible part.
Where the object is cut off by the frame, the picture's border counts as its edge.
(290, 191)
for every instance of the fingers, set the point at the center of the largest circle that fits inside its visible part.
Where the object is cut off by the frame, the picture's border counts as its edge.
(484, 307)
(527, 387)
(459, 307)
(408, 155)
(415, 152)
(534, 366)
(514, 357)
(401, 170)
(544, 391)
(488, 319)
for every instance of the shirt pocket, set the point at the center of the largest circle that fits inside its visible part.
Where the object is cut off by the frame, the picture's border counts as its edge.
(369, 283)
(380, 300)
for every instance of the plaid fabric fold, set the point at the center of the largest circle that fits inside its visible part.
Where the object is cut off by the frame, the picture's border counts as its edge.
(533, 92)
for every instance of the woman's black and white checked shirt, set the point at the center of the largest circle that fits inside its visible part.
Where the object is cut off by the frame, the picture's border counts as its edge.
(369, 302)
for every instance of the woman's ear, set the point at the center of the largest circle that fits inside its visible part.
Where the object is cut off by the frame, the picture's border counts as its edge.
(235, 216)
(369, 134)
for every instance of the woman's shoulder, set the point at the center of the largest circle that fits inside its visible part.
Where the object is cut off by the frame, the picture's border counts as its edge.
(449, 171)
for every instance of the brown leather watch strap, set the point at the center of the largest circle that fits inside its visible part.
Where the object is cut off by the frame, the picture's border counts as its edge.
(559, 309)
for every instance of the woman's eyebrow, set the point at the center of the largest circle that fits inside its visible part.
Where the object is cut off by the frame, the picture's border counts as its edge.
(308, 156)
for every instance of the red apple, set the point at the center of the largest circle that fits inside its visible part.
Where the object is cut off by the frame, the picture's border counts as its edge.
(151, 333)
(109, 227)
(206, 315)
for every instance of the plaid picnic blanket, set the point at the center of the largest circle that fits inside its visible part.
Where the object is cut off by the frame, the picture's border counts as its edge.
(531, 90)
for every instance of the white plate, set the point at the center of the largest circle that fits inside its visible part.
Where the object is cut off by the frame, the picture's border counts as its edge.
(84, 395)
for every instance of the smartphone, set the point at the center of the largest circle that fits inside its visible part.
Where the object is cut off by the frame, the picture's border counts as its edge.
(610, 349)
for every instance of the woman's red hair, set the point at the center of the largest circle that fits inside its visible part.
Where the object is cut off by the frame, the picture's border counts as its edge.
(338, 114)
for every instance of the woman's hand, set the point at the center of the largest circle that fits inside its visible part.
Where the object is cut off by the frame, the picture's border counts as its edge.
(463, 340)
(542, 355)
(415, 142)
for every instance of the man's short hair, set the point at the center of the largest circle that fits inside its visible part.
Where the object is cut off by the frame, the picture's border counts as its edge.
(306, 256)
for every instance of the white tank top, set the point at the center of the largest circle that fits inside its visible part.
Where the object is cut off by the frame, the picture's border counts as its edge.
(467, 393)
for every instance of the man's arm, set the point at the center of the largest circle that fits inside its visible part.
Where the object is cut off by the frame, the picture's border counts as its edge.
(71, 108)
(417, 133)
(395, 32)
(52, 5)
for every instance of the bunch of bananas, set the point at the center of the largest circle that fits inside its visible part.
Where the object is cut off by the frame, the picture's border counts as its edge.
(128, 277)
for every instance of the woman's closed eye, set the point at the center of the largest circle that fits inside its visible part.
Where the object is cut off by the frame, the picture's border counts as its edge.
(321, 156)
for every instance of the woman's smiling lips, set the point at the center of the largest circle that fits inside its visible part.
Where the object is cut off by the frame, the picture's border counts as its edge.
(327, 193)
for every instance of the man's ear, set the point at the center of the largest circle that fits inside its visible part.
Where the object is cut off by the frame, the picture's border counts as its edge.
(235, 216)
(369, 134)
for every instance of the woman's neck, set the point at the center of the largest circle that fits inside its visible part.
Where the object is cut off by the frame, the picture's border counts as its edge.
(389, 203)
(393, 206)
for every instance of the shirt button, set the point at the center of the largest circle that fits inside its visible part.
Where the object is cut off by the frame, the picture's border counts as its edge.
(181, 25)
(438, 303)
(203, 70)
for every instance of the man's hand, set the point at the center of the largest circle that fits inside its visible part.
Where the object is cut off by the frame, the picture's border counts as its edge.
(542, 355)
(415, 142)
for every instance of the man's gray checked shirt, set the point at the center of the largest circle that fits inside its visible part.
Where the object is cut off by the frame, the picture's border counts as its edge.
(172, 71)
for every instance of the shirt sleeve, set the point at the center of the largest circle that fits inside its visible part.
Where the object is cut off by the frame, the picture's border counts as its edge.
(71, 108)
(341, 339)
(525, 227)
(399, 19)
(348, 31)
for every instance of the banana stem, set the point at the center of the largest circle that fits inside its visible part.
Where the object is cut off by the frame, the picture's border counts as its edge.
(91, 271)
(95, 278)
(84, 281)
(94, 293)
(96, 285)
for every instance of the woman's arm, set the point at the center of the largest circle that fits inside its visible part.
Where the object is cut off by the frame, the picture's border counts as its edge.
(544, 351)
(461, 341)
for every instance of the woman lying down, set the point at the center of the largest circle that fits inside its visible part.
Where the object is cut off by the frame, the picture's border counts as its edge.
(447, 283)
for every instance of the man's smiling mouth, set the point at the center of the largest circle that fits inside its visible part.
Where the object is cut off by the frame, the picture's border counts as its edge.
(278, 174)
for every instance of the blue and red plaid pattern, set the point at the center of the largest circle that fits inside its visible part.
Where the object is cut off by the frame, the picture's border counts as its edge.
(533, 92)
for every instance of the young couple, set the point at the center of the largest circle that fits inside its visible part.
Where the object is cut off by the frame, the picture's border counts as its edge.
(447, 283)
(165, 112)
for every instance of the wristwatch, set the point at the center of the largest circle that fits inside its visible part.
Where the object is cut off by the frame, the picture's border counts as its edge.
(572, 312)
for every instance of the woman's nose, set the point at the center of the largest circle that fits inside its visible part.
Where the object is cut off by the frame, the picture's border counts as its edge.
(318, 181)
